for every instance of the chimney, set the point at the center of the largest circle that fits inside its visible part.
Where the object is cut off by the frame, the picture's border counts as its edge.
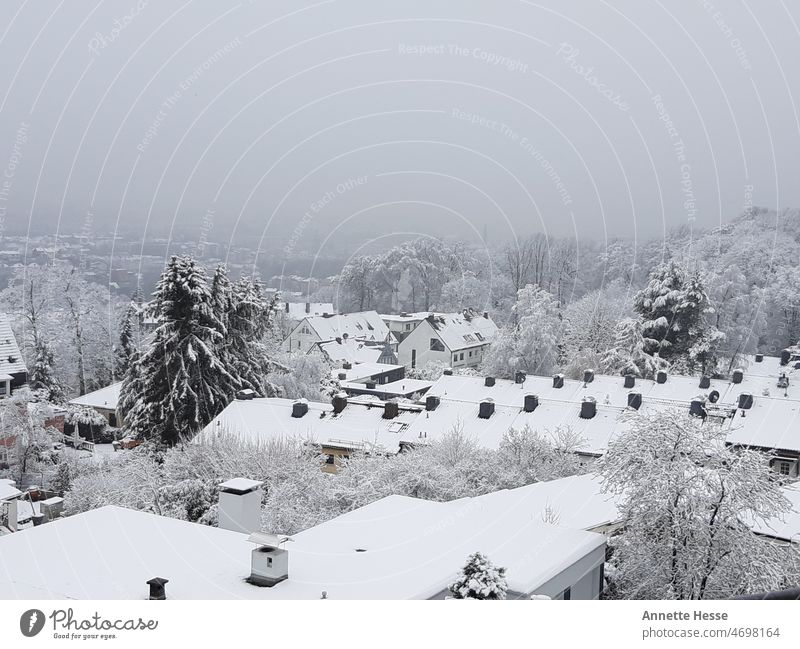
(269, 563)
(347, 365)
(661, 376)
(339, 402)
(431, 402)
(486, 409)
(448, 371)
(759, 358)
(635, 400)
(157, 590)
(588, 408)
(299, 408)
(630, 380)
(697, 408)
(786, 356)
(588, 376)
(486, 314)
(489, 381)
(370, 385)
(308, 307)
(737, 376)
(240, 505)
(342, 376)
(745, 401)
(391, 409)
(286, 305)
(531, 402)
(519, 377)
(705, 383)
(558, 380)
(245, 395)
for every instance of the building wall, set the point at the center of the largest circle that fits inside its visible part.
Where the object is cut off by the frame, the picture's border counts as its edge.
(583, 578)
(297, 341)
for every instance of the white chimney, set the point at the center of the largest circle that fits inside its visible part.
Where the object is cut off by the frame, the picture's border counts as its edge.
(269, 562)
(240, 505)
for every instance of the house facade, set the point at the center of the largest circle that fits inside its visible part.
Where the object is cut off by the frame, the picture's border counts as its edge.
(455, 339)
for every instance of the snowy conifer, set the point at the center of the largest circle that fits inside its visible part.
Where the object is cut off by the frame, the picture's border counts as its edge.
(628, 353)
(126, 348)
(479, 579)
(43, 378)
(180, 381)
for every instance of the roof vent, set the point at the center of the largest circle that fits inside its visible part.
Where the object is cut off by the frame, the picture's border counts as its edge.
(489, 381)
(519, 377)
(630, 380)
(697, 409)
(745, 401)
(486, 409)
(347, 366)
(431, 402)
(299, 408)
(713, 396)
(486, 314)
(558, 380)
(157, 590)
(737, 376)
(786, 356)
(339, 402)
(661, 376)
(448, 371)
(705, 382)
(370, 385)
(588, 376)
(269, 563)
(588, 408)
(531, 402)
(391, 409)
(759, 358)
(635, 400)
(245, 395)
(342, 376)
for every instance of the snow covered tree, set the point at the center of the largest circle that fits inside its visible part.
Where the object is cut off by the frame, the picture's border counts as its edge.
(356, 283)
(302, 376)
(126, 347)
(628, 355)
(479, 579)
(530, 343)
(684, 498)
(61, 480)
(42, 378)
(181, 379)
(674, 308)
(23, 430)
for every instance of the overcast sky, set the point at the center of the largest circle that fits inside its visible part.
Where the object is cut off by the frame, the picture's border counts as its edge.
(357, 119)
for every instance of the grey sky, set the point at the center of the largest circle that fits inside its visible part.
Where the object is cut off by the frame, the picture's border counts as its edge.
(242, 118)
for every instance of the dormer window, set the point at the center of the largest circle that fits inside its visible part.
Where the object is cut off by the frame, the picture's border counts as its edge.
(12, 359)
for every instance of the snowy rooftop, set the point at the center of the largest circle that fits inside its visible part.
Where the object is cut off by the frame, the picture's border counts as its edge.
(395, 548)
(299, 310)
(8, 490)
(11, 361)
(460, 331)
(406, 387)
(348, 350)
(360, 424)
(785, 526)
(366, 325)
(107, 398)
(364, 371)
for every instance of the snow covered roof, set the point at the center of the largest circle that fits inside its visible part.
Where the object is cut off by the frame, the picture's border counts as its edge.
(349, 350)
(404, 317)
(106, 398)
(8, 490)
(11, 361)
(769, 424)
(395, 548)
(364, 371)
(462, 330)
(366, 325)
(360, 424)
(297, 310)
(405, 387)
(785, 526)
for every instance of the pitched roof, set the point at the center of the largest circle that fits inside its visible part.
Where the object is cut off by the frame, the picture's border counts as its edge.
(394, 548)
(366, 325)
(297, 310)
(106, 398)
(462, 330)
(785, 526)
(349, 350)
(360, 424)
(11, 361)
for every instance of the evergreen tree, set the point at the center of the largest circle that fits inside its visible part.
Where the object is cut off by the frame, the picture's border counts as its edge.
(628, 354)
(180, 382)
(126, 349)
(479, 579)
(43, 378)
(673, 308)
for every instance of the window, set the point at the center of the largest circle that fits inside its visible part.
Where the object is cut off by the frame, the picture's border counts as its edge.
(3, 387)
(3, 454)
(329, 459)
(470, 354)
(112, 420)
(461, 356)
(480, 336)
(567, 594)
(408, 327)
(437, 345)
(469, 338)
(784, 467)
(269, 562)
(455, 358)
(413, 358)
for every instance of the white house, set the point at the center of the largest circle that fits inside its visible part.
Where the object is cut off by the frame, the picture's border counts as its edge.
(13, 372)
(455, 339)
(353, 351)
(364, 325)
(415, 551)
